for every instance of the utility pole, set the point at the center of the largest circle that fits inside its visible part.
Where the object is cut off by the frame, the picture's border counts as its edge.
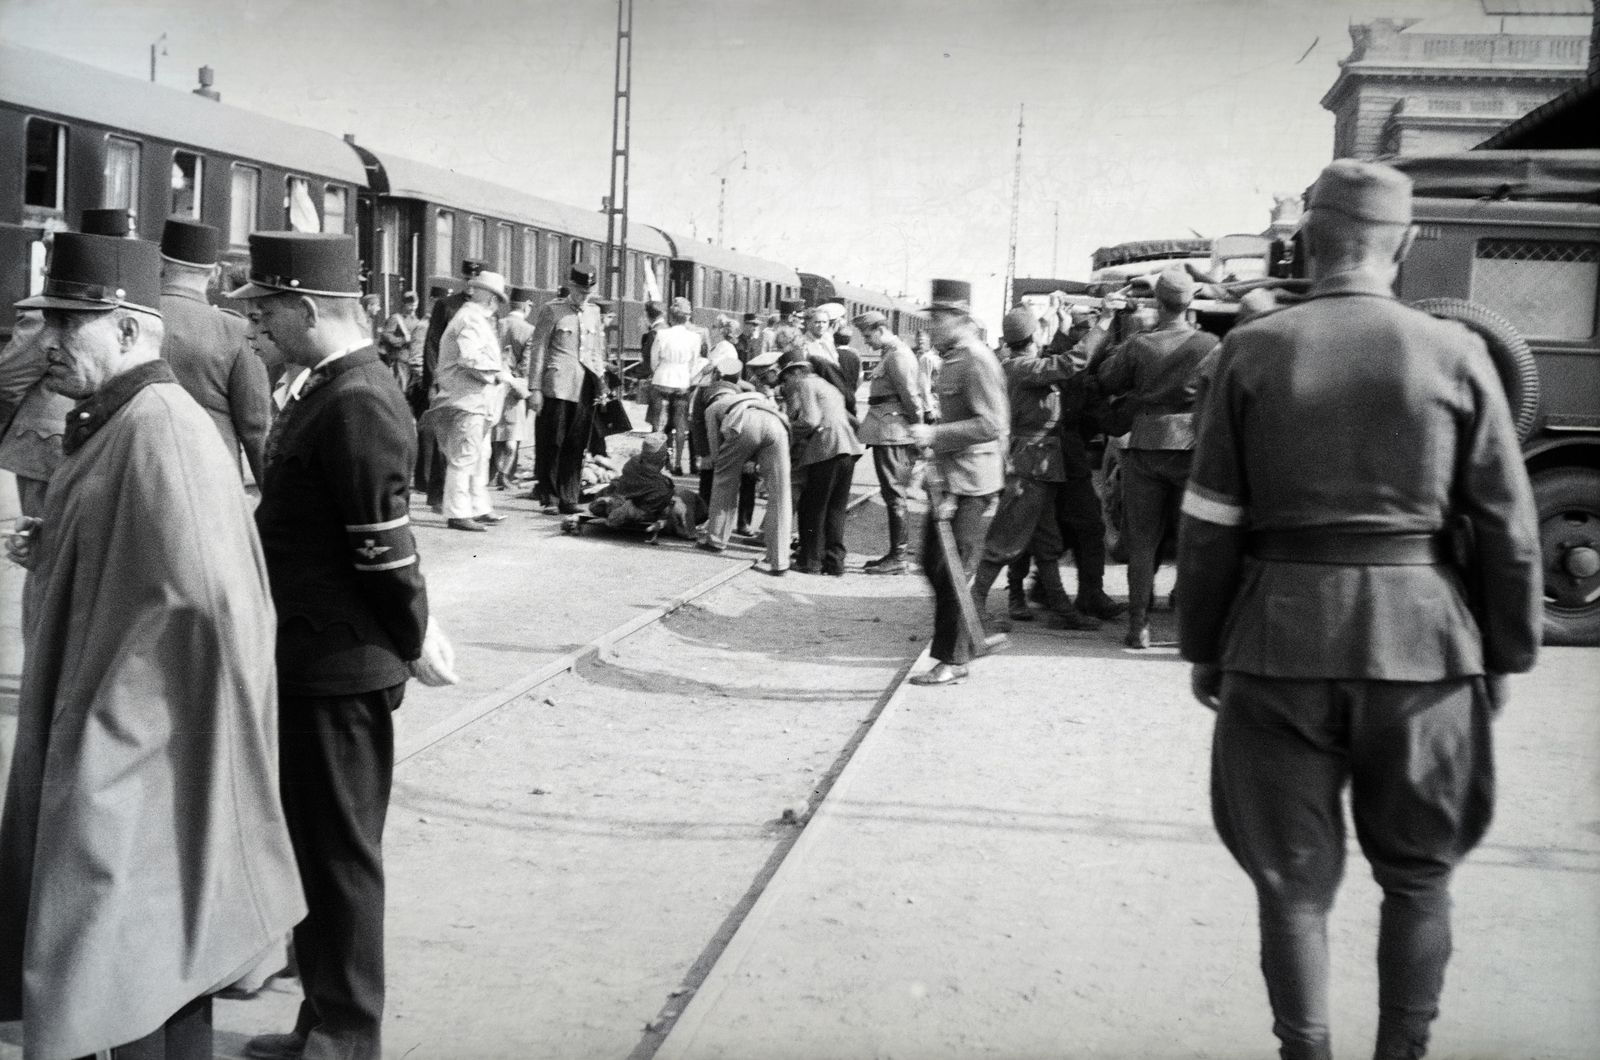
(617, 206)
(722, 191)
(160, 42)
(1055, 242)
(1016, 198)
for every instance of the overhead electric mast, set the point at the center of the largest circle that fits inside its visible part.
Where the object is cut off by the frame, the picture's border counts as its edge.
(1016, 196)
(617, 205)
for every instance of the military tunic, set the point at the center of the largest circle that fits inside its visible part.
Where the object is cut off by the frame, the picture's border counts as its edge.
(1339, 440)
(567, 366)
(206, 348)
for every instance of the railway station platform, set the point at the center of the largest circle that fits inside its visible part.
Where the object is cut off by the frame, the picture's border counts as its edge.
(1023, 865)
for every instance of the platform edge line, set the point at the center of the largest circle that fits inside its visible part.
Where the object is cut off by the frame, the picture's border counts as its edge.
(492, 702)
(676, 1045)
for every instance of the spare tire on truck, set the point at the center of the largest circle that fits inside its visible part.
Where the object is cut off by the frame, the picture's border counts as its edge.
(1507, 348)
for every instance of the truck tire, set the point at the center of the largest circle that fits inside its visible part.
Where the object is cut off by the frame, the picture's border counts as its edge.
(1568, 499)
(1508, 349)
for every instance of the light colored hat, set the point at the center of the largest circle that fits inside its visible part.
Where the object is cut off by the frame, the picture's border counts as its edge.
(1365, 191)
(727, 365)
(870, 319)
(1175, 285)
(492, 282)
(832, 310)
(765, 360)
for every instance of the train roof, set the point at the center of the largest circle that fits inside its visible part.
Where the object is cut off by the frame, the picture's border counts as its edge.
(50, 85)
(851, 293)
(685, 249)
(409, 179)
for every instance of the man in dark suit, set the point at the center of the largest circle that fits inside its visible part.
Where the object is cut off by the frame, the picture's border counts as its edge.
(1340, 441)
(564, 379)
(205, 346)
(353, 622)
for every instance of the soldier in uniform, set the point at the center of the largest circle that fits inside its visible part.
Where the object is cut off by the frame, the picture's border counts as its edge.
(205, 345)
(1037, 468)
(894, 404)
(564, 379)
(1340, 440)
(788, 331)
(1162, 369)
(394, 340)
(967, 468)
(516, 339)
(353, 622)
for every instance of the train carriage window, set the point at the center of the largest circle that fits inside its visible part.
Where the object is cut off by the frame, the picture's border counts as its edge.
(552, 261)
(528, 276)
(299, 211)
(444, 244)
(244, 191)
(46, 183)
(718, 291)
(187, 178)
(598, 259)
(698, 296)
(121, 189)
(766, 296)
(577, 252)
(334, 199)
(502, 249)
(475, 237)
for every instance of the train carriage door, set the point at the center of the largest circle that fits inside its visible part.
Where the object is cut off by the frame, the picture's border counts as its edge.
(681, 281)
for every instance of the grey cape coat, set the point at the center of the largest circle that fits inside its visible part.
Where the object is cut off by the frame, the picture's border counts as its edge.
(144, 859)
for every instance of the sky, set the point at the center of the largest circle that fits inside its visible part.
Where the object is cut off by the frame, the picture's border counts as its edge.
(873, 141)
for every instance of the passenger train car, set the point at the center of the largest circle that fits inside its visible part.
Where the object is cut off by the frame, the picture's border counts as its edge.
(81, 138)
(84, 138)
(906, 318)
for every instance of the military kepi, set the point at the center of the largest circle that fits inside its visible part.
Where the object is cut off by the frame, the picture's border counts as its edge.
(99, 273)
(110, 221)
(952, 294)
(189, 243)
(1366, 191)
(319, 263)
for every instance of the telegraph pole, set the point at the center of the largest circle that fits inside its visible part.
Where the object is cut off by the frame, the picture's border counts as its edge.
(1016, 198)
(160, 42)
(617, 205)
(1055, 242)
(722, 191)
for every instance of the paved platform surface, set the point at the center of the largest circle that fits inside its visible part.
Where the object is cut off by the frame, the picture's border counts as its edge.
(1023, 865)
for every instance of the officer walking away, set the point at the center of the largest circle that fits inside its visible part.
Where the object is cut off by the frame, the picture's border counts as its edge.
(353, 623)
(144, 859)
(1162, 369)
(1341, 440)
(825, 446)
(967, 469)
(894, 406)
(1036, 469)
(205, 346)
(563, 384)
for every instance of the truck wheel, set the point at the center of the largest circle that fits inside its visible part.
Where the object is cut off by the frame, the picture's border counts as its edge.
(1508, 349)
(1568, 499)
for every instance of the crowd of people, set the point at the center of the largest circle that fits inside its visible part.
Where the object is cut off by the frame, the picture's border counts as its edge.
(1325, 623)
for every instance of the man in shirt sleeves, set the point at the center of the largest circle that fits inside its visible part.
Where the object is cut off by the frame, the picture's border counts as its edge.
(353, 623)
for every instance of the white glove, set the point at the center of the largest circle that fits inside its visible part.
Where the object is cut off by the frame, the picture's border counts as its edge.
(437, 664)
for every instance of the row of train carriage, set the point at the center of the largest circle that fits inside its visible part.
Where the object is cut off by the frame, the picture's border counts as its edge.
(80, 138)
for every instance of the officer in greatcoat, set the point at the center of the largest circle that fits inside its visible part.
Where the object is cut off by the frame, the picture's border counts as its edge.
(564, 381)
(1348, 447)
(353, 622)
(145, 863)
(205, 345)
(967, 468)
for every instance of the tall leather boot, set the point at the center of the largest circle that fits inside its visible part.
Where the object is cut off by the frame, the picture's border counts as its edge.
(1063, 615)
(1092, 598)
(893, 561)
